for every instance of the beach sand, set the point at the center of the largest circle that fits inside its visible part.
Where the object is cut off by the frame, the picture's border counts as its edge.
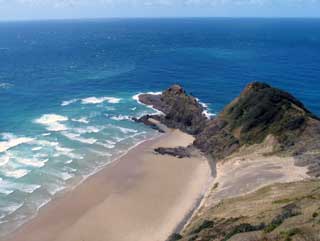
(142, 196)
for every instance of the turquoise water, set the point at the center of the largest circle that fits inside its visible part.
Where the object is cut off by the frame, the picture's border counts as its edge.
(67, 88)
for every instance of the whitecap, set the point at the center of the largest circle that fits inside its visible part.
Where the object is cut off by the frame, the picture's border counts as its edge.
(4, 159)
(53, 122)
(68, 152)
(53, 189)
(106, 145)
(5, 85)
(120, 117)
(99, 100)
(69, 161)
(5, 190)
(69, 102)
(29, 188)
(66, 176)
(41, 155)
(136, 98)
(88, 129)
(46, 134)
(206, 112)
(12, 141)
(126, 130)
(15, 173)
(77, 137)
(38, 148)
(81, 120)
(31, 162)
(9, 187)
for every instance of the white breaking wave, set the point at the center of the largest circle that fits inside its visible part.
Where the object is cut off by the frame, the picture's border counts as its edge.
(120, 117)
(53, 122)
(46, 134)
(4, 159)
(126, 130)
(136, 98)
(81, 120)
(38, 148)
(206, 112)
(12, 141)
(16, 173)
(69, 161)
(106, 145)
(99, 100)
(78, 137)
(54, 188)
(47, 143)
(5, 85)
(69, 102)
(31, 162)
(68, 152)
(9, 187)
(88, 129)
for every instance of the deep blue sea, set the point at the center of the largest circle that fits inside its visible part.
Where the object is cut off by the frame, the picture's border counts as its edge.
(67, 87)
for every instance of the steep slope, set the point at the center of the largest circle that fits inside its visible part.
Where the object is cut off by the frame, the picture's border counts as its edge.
(280, 212)
(257, 140)
(258, 112)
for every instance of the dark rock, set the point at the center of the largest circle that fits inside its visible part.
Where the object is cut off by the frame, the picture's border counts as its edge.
(258, 112)
(179, 152)
(174, 237)
(181, 110)
(146, 120)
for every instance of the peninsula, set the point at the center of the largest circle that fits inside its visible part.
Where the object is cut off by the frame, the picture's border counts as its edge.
(250, 174)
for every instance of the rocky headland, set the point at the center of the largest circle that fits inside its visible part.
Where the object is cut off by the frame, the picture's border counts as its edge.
(264, 150)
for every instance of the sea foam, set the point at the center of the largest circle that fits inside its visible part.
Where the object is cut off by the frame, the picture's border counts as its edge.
(79, 138)
(136, 98)
(15, 173)
(12, 141)
(69, 102)
(53, 122)
(99, 100)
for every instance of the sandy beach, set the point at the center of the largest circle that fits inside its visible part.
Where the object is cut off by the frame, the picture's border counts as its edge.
(142, 196)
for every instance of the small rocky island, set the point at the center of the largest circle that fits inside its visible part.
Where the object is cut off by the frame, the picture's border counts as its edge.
(268, 142)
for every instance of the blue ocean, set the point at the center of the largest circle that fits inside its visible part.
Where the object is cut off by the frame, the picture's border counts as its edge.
(68, 89)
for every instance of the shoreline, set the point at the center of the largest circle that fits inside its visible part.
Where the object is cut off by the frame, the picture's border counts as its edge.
(74, 186)
(36, 227)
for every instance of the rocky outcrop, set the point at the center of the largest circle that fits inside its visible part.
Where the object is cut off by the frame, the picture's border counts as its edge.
(260, 115)
(179, 152)
(258, 112)
(146, 119)
(180, 110)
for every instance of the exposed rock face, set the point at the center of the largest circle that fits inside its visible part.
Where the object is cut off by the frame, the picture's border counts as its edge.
(179, 152)
(258, 112)
(181, 110)
(146, 120)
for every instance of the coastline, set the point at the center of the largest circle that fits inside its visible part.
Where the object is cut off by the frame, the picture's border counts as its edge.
(138, 177)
